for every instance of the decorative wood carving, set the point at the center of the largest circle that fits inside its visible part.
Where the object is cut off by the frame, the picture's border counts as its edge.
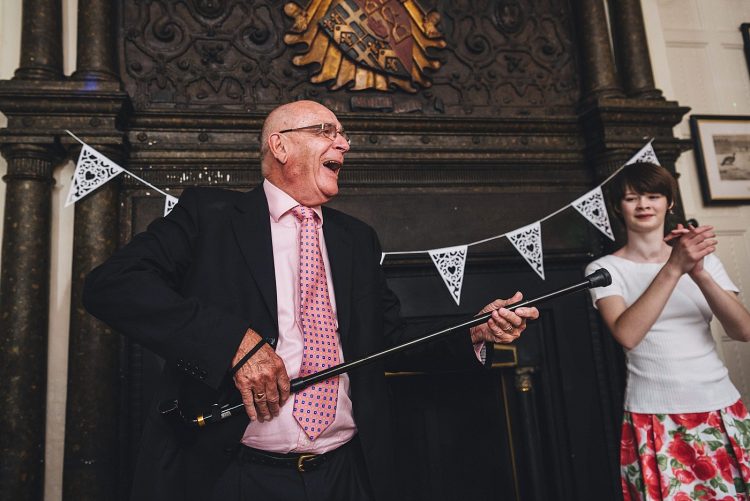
(366, 44)
(231, 56)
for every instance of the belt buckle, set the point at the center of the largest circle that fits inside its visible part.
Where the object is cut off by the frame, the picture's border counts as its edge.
(301, 461)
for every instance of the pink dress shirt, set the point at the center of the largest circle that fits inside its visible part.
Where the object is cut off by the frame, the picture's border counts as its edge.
(282, 434)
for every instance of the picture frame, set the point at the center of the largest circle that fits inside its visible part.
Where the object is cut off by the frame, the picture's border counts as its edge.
(722, 156)
(745, 30)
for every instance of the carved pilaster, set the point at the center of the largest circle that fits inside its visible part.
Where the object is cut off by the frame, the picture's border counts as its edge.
(24, 303)
(41, 41)
(599, 77)
(96, 43)
(631, 47)
(91, 435)
(92, 452)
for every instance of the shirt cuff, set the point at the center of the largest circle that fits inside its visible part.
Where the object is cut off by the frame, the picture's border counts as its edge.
(480, 350)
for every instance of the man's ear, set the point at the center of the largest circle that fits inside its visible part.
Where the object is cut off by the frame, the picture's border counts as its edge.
(277, 148)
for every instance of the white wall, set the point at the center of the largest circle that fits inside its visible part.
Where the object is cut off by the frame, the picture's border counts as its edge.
(697, 52)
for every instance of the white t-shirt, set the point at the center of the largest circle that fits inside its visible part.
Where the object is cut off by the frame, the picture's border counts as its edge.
(675, 367)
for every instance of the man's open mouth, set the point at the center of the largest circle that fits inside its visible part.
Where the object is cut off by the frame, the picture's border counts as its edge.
(333, 165)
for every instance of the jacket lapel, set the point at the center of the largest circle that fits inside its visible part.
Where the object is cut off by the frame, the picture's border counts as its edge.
(339, 246)
(252, 229)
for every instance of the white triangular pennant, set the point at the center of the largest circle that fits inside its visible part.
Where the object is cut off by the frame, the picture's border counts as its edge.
(592, 207)
(92, 170)
(169, 204)
(645, 154)
(450, 262)
(528, 241)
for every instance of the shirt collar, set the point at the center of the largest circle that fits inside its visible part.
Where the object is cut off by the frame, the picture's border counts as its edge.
(279, 202)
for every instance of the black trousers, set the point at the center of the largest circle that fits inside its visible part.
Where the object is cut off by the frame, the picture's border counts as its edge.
(343, 477)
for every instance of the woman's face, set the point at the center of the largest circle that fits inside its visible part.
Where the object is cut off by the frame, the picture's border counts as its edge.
(644, 212)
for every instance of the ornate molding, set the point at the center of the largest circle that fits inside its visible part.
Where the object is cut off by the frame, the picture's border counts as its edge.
(35, 106)
(28, 161)
(619, 126)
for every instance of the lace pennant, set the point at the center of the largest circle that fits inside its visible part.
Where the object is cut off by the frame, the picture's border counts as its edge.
(169, 204)
(645, 154)
(92, 170)
(528, 241)
(450, 262)
(591, 206)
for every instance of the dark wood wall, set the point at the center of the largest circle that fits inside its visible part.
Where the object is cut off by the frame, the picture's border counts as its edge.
(529, 105)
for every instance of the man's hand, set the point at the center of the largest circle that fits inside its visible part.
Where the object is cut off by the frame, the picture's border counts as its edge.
(504, 326)
(262, 380)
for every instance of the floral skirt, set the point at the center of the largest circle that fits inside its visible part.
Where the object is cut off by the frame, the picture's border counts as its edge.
(686, 457)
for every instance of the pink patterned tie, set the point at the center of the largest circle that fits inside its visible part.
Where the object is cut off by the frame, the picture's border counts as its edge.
(315, 407)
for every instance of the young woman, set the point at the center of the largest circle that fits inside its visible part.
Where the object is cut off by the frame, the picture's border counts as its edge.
(685, 431)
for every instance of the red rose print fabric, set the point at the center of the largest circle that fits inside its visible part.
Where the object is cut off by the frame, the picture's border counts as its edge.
(686, 457)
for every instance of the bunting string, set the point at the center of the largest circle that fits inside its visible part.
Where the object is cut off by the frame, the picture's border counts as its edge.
(94, 170)
(527, 240)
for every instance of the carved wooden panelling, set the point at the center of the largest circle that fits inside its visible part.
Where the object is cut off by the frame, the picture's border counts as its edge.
(507, 53)
(232, 55)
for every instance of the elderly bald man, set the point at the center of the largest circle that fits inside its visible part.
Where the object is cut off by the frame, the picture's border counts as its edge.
(275, 285)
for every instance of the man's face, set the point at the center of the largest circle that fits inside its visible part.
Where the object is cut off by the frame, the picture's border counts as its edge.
(310, 173)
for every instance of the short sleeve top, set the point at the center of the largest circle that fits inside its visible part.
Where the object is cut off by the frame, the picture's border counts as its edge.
(675, 368)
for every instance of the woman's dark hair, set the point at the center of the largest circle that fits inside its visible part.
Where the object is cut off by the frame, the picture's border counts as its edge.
(642, 177)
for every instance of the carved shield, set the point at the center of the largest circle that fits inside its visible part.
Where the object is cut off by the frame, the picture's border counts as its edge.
(365, 44)
(373, 33)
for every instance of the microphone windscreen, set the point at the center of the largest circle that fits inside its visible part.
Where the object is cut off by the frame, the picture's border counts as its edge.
(600, 278)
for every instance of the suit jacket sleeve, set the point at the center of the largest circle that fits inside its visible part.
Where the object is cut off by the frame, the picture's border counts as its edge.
(138, 293)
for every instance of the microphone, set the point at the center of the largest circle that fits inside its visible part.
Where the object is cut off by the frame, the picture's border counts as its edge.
(600, 278)
(170, 409)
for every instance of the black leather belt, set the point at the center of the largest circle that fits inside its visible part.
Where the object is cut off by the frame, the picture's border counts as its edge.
(301, 462)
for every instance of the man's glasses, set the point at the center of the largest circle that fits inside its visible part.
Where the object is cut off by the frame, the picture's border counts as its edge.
(328, 130)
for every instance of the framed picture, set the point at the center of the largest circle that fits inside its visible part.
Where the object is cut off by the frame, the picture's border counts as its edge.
(745, 29)
(722, 154)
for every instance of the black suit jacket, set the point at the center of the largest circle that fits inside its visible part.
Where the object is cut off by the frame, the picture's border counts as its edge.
(190, 286)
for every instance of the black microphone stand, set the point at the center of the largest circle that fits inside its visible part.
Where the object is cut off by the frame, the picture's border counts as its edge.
(171, 409)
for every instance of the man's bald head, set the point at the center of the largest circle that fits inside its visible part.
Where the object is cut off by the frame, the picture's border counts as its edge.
(304, 161)
(286, 116)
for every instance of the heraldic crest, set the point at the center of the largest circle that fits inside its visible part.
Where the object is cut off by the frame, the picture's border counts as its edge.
(366, 44)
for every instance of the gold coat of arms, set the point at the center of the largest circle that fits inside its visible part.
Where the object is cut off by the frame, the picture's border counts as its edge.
(366, 44)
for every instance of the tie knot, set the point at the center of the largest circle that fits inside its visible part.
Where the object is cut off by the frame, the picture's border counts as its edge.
(302, 213)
